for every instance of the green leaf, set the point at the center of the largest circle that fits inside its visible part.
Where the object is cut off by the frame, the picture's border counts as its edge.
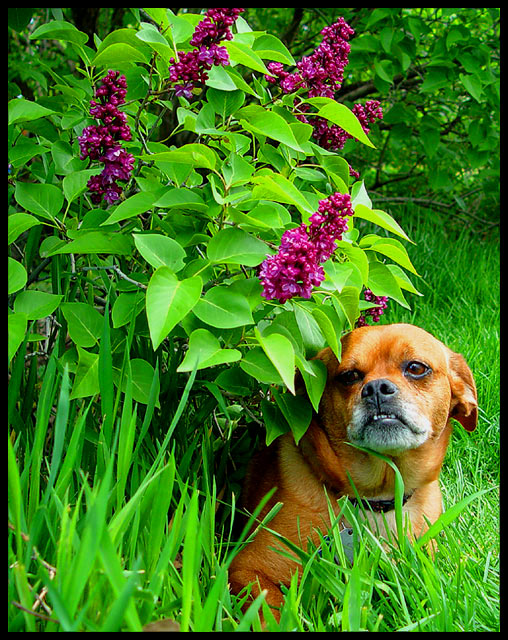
(313, 339)
(75, 183)
(331, 327)
(234, 380)
(16, 275)
(222, 308)
(473, 85)
(135, 205)
(116, 54)
(221, 78)
(125, 305)
(342, 116)
(91, 242)
(356, 256)
(384, 70)
(270, 47)
(151, 35)
(169, 300)
(242, 54)
(16, 329)
(281, 353)
(235, 246)
(182, 198)
(225, 103)
(205, 351)
(389, 247)
(141, 376)
(257, 364)
(36, 304)
(340, 274)
(381, 218)
(17, 223)
(84, 323)
(347, 301)
(264, 122)
(297, 410)
(314, 384)
(274, 186)
(435, 78)
(21, 110)
(86, 380)
(159, 250)
(197, 155)
(45, 200)
(402, 279)
(181, 29)
(275, 422)
(60, 30)
(383, 283)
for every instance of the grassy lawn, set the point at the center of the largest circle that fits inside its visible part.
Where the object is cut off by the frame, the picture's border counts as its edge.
(113, 529)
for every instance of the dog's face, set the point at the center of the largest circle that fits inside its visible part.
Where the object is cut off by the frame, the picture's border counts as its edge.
(395, 388)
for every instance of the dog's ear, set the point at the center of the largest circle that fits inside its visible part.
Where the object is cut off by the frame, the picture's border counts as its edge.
(464, 403)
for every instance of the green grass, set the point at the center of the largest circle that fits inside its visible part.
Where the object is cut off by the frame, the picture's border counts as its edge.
(111, 529)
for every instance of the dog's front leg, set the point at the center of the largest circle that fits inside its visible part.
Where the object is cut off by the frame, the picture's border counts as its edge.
(240, 578)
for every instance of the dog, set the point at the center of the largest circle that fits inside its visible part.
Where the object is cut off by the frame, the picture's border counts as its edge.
(394, 391)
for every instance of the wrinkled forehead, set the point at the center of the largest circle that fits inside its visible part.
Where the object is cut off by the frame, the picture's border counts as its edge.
(391, 344)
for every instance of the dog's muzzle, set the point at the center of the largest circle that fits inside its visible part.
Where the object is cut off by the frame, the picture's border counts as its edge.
(383, 422)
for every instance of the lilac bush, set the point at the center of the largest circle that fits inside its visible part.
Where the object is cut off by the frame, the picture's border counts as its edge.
(240, 219)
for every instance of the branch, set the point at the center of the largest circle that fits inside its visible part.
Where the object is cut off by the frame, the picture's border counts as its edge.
(434, 204)
(119, 273)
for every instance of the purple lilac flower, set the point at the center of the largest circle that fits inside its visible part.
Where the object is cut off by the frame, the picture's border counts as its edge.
(296, 268)
(374, 312)
(322, 74)
(323, 71)
(192, 66)
(103, 142)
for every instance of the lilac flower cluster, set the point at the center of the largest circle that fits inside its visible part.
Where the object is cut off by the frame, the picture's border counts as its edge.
(192, 66)
(103, 142)
(374, 312)
(334, 137)
(296, 268)
(322, 73)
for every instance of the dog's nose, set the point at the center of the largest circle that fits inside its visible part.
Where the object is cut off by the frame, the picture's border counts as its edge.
(379, 391)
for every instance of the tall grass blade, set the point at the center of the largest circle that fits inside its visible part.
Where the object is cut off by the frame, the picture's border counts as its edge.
(106, 378)
(447, 517)
(62, 417)
(122, 588)
(191, 549)
(44, 405)
(15, 498)
(91, 534)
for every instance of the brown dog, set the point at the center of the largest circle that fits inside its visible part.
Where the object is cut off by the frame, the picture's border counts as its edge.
(394, 391)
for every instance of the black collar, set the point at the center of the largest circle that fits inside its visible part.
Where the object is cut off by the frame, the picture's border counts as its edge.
(379, 506)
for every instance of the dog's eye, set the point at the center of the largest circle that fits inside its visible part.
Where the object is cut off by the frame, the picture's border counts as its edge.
(415, 369)
(349, 377)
